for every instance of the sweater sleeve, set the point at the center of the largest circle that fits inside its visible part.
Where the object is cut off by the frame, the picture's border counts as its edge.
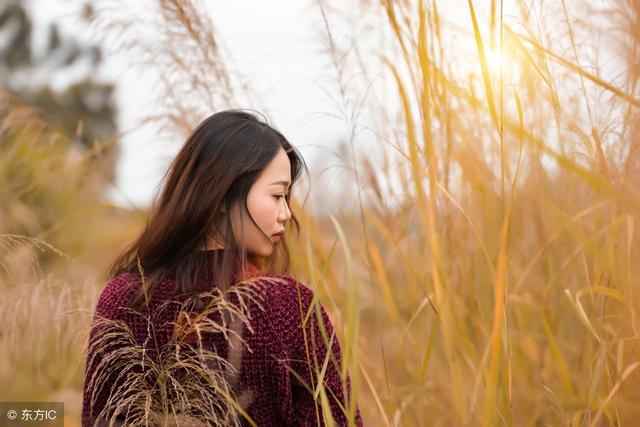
(312, 354)
(95, 394)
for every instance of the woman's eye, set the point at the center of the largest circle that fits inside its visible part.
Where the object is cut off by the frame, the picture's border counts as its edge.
(279, 196)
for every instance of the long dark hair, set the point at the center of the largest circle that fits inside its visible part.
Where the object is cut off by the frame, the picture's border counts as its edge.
(217, 165)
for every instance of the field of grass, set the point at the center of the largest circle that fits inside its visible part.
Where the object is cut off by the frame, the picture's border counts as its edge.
(488, 272)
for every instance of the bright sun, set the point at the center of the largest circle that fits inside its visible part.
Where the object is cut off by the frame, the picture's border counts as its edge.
(510, 67)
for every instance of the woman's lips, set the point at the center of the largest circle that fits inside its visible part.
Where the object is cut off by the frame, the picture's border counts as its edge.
(276, 237)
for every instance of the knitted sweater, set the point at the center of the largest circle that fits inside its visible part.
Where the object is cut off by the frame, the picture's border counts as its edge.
(280, 361)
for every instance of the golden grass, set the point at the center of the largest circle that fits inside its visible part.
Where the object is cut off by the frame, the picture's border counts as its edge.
(187, 382)
(473, 268)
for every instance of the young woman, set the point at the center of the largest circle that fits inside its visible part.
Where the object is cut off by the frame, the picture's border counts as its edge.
(200, 323)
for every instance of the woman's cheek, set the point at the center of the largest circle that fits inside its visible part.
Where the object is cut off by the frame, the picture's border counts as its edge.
(262, 212)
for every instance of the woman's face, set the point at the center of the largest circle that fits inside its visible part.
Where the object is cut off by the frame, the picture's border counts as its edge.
(268, 207)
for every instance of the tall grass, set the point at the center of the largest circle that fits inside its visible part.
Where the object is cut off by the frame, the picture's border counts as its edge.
(503, 287)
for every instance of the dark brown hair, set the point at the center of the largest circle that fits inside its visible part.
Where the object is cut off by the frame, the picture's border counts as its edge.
(217, 166)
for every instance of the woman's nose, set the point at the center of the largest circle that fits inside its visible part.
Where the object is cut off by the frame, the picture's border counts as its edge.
(284, 214)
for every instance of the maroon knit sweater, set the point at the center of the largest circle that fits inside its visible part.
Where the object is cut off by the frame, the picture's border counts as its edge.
(284, 348)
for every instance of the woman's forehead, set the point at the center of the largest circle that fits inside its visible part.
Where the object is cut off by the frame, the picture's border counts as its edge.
(278, 170)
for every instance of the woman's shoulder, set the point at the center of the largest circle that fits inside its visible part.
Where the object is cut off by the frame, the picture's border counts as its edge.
(284, 289)
(120, 283)
(287, 301)
(115, 293)
(293, 313)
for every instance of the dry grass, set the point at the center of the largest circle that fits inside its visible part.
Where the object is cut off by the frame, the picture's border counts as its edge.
(187, 382)
(498, 285)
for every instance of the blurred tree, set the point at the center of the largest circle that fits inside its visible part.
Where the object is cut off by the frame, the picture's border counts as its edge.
(58, 138)
(83, 109)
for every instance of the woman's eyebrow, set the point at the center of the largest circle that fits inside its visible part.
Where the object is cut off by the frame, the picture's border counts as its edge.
(285, 183)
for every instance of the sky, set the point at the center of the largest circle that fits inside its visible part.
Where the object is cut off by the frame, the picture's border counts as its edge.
(275, 50)
(280, 47)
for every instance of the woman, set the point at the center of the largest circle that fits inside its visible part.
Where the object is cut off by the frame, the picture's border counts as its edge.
(200, 323)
